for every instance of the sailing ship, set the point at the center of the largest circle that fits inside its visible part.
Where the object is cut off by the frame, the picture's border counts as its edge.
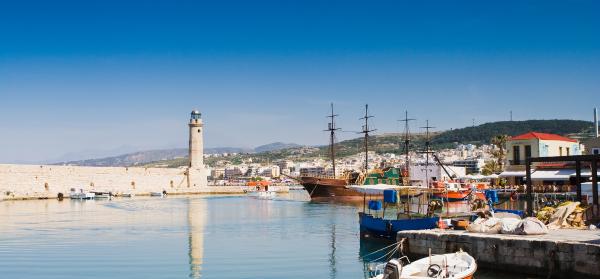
(330, 186)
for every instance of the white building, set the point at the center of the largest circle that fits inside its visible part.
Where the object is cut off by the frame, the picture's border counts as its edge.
(434, 172)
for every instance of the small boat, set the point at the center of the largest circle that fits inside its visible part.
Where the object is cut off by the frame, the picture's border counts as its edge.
(458, 265)
(127, 195)
(373, 225)
(453, 191)
(102, 195)
(266, 194)
(81, 195)
(158, 194)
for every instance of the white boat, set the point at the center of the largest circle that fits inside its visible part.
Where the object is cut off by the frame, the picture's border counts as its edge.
(101, 195)
(81, 195)
(266, 194)
(262, 194)
(455, 265)
(157, 194)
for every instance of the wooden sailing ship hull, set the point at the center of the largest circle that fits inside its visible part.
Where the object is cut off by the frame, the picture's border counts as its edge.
(319, 187)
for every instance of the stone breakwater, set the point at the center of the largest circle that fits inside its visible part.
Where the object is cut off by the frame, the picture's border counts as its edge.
(46, 181)
(561, 253)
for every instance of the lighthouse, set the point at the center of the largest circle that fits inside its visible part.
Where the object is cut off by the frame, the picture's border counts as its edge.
(196, 170)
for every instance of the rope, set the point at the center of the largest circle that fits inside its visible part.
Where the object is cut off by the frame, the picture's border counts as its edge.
(390, 253)
(386, 247)
(313, 190)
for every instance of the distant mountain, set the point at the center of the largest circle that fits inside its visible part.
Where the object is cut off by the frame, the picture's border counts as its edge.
(384, 143)
(275, 146)
(132, 159)
(145, 157)
(92, 153)
(220, 150)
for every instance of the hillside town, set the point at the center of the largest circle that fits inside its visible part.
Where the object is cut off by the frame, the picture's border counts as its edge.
(502, 162)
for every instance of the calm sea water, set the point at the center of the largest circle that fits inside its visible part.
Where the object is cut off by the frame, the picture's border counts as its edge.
(185, 237)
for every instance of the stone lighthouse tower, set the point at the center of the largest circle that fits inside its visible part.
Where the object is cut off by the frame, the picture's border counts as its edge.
(196, 170)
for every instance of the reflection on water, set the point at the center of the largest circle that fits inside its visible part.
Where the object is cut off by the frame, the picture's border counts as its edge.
(197, 220)
(179, 237)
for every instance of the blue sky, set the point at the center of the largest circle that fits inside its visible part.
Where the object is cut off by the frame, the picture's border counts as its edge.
(111, 76)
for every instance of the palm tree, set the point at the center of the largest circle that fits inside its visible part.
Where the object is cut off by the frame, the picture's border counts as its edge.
(500, 151)
(490, 167)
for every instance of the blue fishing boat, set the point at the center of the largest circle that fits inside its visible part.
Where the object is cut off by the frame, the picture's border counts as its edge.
(385, 228)
(372, 225)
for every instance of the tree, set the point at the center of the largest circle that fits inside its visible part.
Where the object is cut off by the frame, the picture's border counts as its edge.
(490, 167)
(499, 152)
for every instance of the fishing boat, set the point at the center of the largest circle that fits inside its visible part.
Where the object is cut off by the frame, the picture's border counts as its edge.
(453, 191)
(81, 195)
(458, 265)
(375, 224)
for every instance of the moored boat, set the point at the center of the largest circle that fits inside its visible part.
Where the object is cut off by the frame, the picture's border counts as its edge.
(458, 265)
(327, 187)
(102, 195)
(81, 195)
(372, 225)
(454, 191)
(322, 185)
(158, 194)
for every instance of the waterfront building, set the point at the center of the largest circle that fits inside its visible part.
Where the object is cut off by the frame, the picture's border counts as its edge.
(471, 165)
(217, 173)
(425, 174)
(312, 171)
(533, 145)
(592, 146)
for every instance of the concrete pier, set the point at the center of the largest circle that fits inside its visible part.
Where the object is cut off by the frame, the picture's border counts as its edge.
(560, 254)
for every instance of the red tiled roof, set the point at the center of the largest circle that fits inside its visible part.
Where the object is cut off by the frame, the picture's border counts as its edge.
(542, 136)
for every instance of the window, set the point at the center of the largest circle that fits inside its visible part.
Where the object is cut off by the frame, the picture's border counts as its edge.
(568, 151)
(596, 151)
(527, 151)
(560, 151)
(516, 155)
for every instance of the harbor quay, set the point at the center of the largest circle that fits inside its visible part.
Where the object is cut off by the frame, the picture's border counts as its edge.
(559, 254)
(52, 181)
(48, 181)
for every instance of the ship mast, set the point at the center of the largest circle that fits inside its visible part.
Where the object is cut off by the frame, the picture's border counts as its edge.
(366, 131)
(406, 147)
(331, 128)
(427, 150)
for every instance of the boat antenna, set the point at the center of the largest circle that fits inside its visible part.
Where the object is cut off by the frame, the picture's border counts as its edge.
(331, 128)
(366, 131)
(406, 147)
(427, 150)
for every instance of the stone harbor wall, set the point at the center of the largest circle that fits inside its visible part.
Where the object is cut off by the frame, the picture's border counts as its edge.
(46, 181)
(560, 254)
